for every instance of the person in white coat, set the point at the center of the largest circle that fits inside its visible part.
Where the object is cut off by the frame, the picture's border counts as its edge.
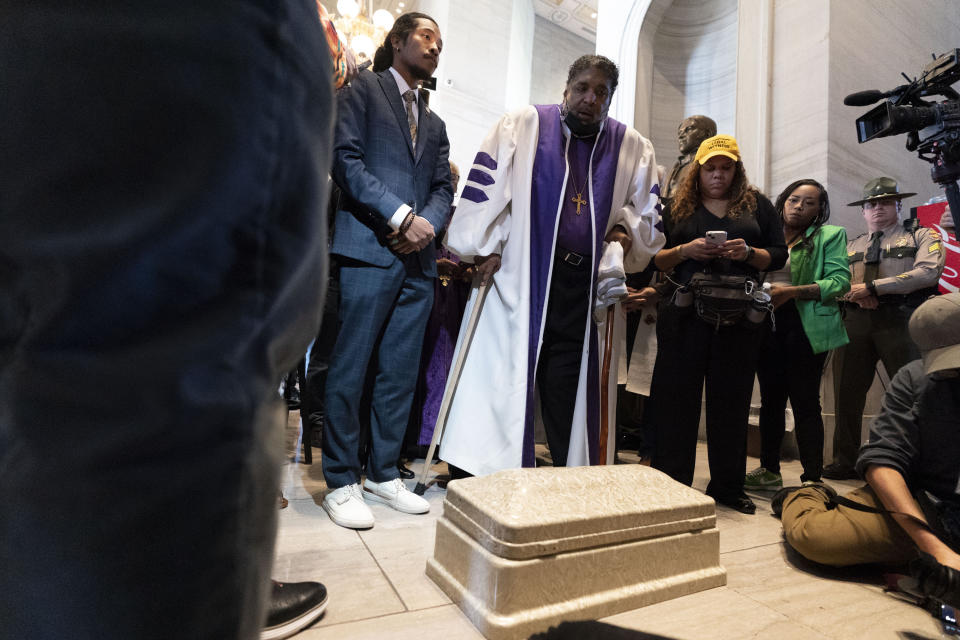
(560, 201)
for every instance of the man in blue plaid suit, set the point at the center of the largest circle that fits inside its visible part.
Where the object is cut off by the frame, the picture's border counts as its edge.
(391, 162)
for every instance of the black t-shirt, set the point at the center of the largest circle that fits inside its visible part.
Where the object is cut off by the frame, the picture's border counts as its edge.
(917, 432)
(761, 229)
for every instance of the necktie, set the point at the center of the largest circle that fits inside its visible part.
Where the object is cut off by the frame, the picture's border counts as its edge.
(410, 98)
(872, 260)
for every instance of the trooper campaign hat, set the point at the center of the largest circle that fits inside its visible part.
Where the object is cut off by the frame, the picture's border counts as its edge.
(878, 188)
(935, 328)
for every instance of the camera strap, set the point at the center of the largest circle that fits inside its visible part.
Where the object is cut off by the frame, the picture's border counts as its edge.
(923, 501)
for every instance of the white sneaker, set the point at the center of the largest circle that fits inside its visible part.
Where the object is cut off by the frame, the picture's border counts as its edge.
(346, 507)
(395, 494)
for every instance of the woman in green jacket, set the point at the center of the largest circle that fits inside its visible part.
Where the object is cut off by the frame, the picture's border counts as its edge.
(808, 325)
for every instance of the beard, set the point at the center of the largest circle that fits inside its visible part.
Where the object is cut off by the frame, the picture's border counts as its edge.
(421, 71)
(576, 125)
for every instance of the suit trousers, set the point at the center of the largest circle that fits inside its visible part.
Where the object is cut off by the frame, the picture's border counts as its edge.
(788, 368)
(877, 334)
(383, 315)
(692, 351)
(558, 371)
(839, 536)
(161, 268)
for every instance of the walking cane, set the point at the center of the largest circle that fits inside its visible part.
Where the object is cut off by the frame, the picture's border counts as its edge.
(604, 387)
(452, 381)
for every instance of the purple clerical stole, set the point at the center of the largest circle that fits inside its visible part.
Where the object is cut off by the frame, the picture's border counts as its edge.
(576, 228)
(549, 166)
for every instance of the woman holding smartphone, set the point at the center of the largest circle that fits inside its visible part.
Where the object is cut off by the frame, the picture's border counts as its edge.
(805, 292)
(721, 229)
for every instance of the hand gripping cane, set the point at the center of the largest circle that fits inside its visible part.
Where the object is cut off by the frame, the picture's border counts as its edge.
(451, 387)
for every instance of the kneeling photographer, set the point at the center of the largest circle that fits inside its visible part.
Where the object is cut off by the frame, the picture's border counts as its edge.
(910, 508)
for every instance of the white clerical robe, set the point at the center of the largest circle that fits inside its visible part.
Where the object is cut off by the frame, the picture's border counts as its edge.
(489, 414)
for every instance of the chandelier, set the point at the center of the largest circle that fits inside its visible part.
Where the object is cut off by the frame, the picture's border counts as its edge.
(364, 34)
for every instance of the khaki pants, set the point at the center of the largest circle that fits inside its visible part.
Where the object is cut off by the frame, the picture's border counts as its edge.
(843, 536)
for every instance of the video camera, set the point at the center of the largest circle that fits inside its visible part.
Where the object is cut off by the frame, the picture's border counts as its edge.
(932, 128)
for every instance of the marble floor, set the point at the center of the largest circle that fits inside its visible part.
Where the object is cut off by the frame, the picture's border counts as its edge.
(378, 588)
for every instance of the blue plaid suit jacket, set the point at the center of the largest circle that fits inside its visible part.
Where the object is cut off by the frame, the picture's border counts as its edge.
(375, 166)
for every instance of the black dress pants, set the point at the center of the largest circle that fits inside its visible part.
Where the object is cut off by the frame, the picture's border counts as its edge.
(788, 368)
(561, 353)
(312, 390)
(691, 352)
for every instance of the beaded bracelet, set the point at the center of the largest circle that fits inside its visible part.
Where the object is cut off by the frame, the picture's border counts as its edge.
(407, 222)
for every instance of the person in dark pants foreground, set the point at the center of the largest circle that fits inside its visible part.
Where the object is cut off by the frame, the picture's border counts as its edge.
(910, 460)
(161, 267)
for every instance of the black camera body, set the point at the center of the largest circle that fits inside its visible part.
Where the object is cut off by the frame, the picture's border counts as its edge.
(932, 128)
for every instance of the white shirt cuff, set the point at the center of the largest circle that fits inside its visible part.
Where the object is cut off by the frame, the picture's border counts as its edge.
(397, 219)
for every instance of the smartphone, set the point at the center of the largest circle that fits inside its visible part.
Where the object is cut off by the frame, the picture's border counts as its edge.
(716, 238)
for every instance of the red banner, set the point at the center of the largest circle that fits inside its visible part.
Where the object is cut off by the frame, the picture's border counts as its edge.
(929, 215)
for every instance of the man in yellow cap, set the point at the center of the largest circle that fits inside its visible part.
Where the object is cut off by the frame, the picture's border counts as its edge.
(893, 270)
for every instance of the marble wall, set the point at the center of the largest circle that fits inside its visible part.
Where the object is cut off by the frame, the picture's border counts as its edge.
(694, 70)
(795, 60)
(498, 56)
(556, 48)
(871, 43)
(485, 68)
(520, 64)
(824, 51)
(799, 92)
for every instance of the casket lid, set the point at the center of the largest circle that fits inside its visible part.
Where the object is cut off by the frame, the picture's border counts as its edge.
(528, 513)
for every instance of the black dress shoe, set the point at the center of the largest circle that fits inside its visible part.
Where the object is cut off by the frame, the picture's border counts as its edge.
(741, 503)
(293, 399)
(293, 606)
(839, 472)
(405, 471)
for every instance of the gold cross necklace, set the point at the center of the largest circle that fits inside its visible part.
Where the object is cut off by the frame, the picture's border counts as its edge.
(578, 200)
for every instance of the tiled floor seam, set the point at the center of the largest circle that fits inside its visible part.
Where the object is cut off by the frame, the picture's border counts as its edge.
(384, 574)
(764, 633)
(759, 546)
(385, 615)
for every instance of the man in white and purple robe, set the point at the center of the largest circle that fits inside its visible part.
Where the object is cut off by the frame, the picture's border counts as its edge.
(558, 197)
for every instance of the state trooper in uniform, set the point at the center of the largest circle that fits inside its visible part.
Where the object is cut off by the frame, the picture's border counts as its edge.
(893, 269)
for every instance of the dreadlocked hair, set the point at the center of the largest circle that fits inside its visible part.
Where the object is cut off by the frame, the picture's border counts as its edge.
(743, 197)
(402, 28)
